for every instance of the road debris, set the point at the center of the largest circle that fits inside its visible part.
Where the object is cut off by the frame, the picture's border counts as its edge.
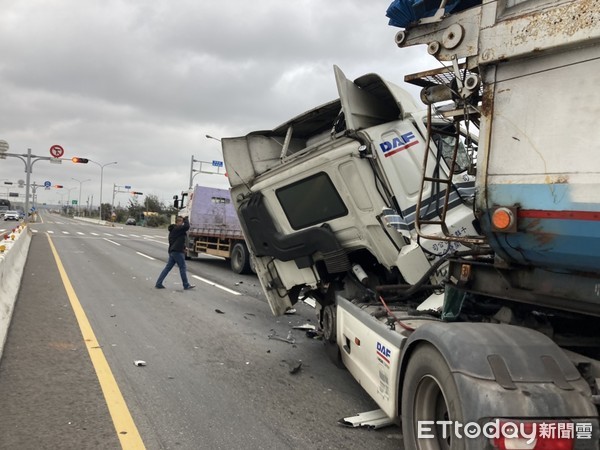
(139, 363)
(295, 368)
(306, 326)
(289, 339)
(218, 311)
(372, 419)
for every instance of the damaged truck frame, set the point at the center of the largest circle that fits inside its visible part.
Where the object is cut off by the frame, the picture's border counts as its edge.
(453, 249)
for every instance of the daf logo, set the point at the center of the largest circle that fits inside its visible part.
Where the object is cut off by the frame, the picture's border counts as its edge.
(398, 144)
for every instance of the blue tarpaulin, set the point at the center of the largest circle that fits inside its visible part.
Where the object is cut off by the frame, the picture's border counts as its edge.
(404, 12)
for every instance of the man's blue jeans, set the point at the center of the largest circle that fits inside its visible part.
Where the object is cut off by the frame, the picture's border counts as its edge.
(174, 258)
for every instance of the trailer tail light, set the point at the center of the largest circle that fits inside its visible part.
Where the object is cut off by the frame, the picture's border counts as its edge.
(504, 220)
(543, 435)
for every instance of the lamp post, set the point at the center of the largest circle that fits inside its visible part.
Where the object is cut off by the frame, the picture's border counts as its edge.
(69, 199)
(208, 136)
(79, 201)
(102, 166)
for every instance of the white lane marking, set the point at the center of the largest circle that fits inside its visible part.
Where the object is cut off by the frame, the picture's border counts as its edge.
(107, 234)
(50, 232)
(82, 234)
(134, 235)
(204, 280)
(94, 234)
(32, 229)
(146, 256)
(122, 235)
(158, 242)
(66, 232)
(112, 242)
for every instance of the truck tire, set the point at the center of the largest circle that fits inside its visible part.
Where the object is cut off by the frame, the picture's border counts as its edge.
(240, 258)
(429, 393)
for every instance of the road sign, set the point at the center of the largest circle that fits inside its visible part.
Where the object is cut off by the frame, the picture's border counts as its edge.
(57, 151)
(127, 187)
(47, 184)
(217, 163)
(73, 202)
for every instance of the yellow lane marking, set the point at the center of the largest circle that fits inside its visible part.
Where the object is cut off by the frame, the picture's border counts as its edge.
(126, 430)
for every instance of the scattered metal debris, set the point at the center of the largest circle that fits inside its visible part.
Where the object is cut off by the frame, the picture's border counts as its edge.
(310, 301)
(306, 326)
(289, 339)
(295, 368)
(372, 419)
(313, 334)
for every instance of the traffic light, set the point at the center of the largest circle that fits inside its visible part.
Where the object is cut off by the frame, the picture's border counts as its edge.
(137, 193)
(78, 160)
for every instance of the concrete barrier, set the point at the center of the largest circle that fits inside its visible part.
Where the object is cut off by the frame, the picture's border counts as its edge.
(12, 264)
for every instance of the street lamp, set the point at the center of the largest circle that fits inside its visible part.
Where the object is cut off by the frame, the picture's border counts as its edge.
(79, 201)
(208, 136)
(69, 199)
(102, 166)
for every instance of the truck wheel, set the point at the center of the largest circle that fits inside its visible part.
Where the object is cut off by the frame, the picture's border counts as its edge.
(240, 258)
(429, 394)
(328, 318)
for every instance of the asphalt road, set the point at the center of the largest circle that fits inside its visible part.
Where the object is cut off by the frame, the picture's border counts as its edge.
(213, 379)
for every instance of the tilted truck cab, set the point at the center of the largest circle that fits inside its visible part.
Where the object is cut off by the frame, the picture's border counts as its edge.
(335, 188)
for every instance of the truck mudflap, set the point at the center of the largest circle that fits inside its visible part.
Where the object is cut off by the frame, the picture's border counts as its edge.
(485, 374)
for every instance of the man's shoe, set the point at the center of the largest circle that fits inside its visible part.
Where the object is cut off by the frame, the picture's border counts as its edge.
(191, 286)
(159, 286)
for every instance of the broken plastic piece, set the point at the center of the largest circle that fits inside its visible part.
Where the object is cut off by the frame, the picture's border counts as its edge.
(139, 363)
(278, 338)
(372, 419)
(306, 326)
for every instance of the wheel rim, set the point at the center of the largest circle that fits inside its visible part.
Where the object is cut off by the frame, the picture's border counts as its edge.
(431, 405)
(328, 323)
(237, 257)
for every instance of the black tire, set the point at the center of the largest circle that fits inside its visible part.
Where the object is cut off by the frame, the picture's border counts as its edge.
(429, 393)
(240, 258)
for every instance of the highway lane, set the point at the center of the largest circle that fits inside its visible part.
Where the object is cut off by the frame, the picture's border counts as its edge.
(212, 380)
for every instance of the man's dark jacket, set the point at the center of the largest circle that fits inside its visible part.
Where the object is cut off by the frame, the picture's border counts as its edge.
(177, 236)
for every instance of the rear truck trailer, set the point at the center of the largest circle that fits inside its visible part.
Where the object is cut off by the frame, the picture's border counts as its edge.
(214, 227)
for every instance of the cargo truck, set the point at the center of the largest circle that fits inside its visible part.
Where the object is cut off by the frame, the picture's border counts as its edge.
(453, 247)
(214, 227)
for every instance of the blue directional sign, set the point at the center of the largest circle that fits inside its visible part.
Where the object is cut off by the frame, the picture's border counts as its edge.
(47, 184)
(217, 163)
(127, 187)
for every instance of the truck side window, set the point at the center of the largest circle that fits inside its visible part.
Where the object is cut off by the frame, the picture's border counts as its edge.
(311, 201)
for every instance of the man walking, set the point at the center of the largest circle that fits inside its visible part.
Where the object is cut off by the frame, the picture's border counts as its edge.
(177, 234)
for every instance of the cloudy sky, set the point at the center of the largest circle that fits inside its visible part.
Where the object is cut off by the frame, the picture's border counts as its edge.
(142, 82)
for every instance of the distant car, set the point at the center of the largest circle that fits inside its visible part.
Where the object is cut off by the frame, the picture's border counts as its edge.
(12, 215)
(130, 221)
